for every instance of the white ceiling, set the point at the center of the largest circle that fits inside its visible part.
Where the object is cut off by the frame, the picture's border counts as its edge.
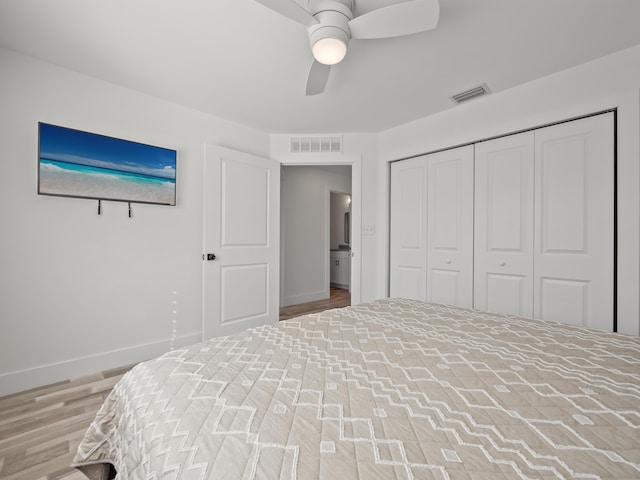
(240, 61)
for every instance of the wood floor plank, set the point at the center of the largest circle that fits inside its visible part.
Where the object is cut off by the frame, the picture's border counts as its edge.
(69, 437)
(41, 421)
(36, 459)
(42, 470)
(13, 415)
(36, 433)
(65, 474)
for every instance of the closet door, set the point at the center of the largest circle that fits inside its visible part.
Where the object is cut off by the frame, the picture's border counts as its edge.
(450, 227)
(574, 222)
(503, 251)
(408, 229)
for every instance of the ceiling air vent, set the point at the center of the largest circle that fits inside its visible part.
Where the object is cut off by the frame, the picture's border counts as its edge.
(316, 144)
(470, 94)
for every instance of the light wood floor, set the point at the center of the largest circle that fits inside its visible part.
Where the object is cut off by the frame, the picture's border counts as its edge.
(338, 298)
(40, 429)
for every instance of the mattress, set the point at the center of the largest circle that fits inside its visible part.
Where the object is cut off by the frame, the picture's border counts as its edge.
(393, 389)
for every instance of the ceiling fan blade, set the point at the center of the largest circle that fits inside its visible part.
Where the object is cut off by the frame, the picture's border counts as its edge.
(318, 76)
(290, 9)
(396, 20)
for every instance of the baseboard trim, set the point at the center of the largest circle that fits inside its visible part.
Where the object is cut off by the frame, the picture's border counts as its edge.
(305, 298)
(26, 379)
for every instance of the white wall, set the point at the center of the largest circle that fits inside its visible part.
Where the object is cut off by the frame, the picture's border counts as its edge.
(81, 292)
(304, 225)
(609, 82)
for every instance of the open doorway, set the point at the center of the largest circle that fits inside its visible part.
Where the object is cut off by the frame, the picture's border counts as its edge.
(306, 243)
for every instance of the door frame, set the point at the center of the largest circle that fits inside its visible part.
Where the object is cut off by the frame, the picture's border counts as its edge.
(355, 161)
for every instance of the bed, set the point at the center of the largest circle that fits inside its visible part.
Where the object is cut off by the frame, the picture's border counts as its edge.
(392, 389)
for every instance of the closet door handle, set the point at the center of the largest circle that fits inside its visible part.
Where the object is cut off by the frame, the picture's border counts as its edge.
(447, 261)
(502, 263)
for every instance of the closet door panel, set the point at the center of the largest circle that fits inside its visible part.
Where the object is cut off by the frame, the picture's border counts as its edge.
(574, 222)
(408, 229)
(507, 294)
(565, 301)
(450, 227)
(503, 243)
(444, 286)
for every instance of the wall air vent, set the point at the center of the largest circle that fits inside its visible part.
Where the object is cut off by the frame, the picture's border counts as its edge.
(316, 144)
(470, 94)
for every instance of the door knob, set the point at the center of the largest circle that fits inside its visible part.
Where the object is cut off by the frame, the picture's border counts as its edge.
(210, 257)
(448, 262)
(502, 263)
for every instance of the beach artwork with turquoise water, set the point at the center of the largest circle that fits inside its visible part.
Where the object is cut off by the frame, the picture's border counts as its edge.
(82, 164)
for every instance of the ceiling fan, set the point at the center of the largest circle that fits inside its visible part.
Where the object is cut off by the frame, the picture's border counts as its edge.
(332, 23)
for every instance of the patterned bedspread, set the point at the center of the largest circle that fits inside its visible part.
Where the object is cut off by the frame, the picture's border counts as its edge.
(393, 389)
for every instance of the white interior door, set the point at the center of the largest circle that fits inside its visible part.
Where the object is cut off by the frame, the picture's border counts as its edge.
(574, 222)
(450, 227)
(503, 251)
(408, 229)
(241, 228)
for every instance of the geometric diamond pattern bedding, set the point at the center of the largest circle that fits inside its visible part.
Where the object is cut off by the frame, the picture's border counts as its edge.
(393, 389)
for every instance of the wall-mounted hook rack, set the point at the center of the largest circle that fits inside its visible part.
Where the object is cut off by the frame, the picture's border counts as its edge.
(130, 211)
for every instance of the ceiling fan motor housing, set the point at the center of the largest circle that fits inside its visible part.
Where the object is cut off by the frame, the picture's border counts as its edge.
(316, 6)
(333, 20)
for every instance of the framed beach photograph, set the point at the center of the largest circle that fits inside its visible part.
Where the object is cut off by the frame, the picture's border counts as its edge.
(74, 163)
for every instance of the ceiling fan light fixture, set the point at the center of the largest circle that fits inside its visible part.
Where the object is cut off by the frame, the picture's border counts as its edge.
(329, 50)
(329, 41)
